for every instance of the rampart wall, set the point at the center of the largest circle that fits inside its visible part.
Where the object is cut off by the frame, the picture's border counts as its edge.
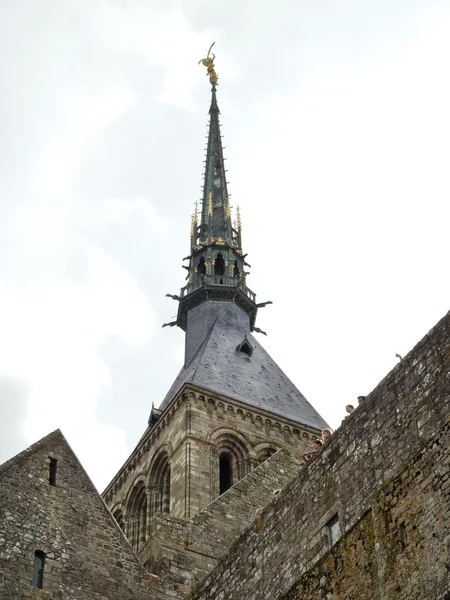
(367, 478)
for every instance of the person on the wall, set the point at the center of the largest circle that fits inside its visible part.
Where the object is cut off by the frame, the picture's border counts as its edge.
(326, 435)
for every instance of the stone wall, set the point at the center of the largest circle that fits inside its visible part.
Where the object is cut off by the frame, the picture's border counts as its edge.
(87, 556)
(401, 547)
(182, 553)
(367, 469)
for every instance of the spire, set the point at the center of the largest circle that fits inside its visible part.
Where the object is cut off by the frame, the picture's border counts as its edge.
(215, 201)
(216, 262)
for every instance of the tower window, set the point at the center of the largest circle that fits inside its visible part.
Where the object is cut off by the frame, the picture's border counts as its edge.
(219, 265)
(201, 267)
(52, 471)
(236, 269)
(37, 578)
(225, 472)
(334, 530)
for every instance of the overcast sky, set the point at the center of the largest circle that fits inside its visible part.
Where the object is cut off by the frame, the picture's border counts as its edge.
(336, 123)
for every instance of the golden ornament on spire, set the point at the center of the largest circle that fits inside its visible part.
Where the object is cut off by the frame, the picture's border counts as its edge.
(194, 219)
(208, 62)
(227, 207)
(210, 205)
(196, 212)
(239, 224)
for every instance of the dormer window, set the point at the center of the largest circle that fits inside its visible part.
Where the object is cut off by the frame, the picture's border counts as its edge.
(245, 347)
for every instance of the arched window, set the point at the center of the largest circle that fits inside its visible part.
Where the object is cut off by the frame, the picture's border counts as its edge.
(236, 269)
(37, 578)
(118, 515)
(160, 482)
(225, 472)
(137, 511)
(219, 265)
(265, 453)
(231, 459)
(201, 267)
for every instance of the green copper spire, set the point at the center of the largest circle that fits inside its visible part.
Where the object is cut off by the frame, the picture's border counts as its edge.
(216, 268)
(216, 213)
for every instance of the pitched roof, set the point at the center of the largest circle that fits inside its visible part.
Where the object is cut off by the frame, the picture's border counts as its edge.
(256, 380)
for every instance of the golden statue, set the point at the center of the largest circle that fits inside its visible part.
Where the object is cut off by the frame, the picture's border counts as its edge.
(208, 62)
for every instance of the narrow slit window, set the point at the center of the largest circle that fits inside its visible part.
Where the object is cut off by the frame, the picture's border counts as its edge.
(334, 530)
(37, 578)
(52, 471)
(225, 472)
(403, 535)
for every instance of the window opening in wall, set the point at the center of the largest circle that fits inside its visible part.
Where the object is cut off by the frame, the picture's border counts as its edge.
(236, 269)
(265, 454)
(225, 472)
(219, 265)
(37, 578)
(201, 267)
(52, 471)
(334, 530)
(403, 535)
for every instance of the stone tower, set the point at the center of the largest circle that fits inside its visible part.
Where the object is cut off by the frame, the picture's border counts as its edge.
(231, 406)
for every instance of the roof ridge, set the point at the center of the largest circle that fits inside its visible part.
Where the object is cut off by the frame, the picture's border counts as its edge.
(204, 345)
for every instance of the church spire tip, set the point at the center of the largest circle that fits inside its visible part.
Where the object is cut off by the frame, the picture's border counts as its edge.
(208, 62)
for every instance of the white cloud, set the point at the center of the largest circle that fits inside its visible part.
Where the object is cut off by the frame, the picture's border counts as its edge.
(64, 302)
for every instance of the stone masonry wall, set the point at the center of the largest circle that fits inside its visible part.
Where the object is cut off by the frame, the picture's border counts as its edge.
(87, 556)
(182, 553)
(401, 548)
(191, 431)
(376, 444)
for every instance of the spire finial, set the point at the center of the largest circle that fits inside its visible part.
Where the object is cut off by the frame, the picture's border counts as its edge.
(208, 62)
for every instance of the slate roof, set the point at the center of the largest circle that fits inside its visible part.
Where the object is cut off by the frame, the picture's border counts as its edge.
(255, 380)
